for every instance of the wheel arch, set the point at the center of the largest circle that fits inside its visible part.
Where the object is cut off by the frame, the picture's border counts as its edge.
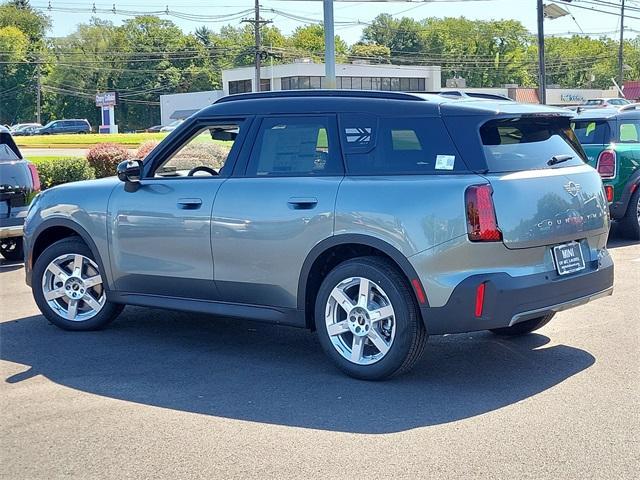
(56, 229)
(334, 250)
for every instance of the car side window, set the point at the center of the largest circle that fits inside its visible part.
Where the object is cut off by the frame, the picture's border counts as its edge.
(207, 151)
(294, 146)
(398, 146)
(629, 131)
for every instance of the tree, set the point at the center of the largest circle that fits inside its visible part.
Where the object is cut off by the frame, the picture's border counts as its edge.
(23, 45)
(373, 51)
(308, 41)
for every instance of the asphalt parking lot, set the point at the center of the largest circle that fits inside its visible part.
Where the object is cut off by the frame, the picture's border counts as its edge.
(174, 395)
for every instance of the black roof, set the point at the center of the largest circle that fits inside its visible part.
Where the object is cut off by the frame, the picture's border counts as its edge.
(367, 101)
(609, 113)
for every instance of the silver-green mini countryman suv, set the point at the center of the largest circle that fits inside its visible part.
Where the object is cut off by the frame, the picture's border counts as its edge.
(374, 218)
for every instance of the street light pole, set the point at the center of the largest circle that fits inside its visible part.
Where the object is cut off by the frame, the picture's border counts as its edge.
(620, 52)
(329, 45)
(542, 75)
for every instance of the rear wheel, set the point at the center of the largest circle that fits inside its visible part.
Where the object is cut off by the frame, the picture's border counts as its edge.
(11, 249)
(525, 327)
(631, 220)
(367, 319)
(68, 287)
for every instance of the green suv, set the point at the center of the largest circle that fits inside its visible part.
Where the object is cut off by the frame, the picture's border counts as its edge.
(611, 139)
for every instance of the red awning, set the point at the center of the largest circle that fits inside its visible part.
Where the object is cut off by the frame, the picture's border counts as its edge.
(631, 91)
(526, 95)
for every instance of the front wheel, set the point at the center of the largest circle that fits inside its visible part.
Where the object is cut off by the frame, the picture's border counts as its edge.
(631, 220)
(367, 319)
(69, 289)
(523, 328)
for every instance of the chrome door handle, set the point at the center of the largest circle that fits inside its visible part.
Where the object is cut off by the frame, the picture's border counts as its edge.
(302, 203)
(189, 203)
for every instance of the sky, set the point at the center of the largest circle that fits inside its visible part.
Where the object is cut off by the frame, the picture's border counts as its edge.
(79, 11)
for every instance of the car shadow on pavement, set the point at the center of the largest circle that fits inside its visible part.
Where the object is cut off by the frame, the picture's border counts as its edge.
(255, 372)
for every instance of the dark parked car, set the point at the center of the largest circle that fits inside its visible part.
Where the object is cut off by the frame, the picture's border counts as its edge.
(374, 218)
(19, 183)
(65, 126)
(611, 139)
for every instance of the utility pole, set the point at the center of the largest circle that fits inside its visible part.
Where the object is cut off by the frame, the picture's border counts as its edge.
(329, 45)
(620, 52)
(38, 92)
(542, 74)
(257, 23)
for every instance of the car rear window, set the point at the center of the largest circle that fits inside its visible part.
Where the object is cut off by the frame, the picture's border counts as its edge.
(398, 146)
(592, 132)
(529, 143)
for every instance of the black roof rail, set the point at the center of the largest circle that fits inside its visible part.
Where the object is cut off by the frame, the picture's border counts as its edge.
(321, 93)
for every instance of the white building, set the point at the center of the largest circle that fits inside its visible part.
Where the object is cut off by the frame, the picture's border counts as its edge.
(303, 75)
(181, 105)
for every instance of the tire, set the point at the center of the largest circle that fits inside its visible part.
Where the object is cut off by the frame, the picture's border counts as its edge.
(399, 330)
(523, 328)
(631, 221)
(55, 271)
(12, 249)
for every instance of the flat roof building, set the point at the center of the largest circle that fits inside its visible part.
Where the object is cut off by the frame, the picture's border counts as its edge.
(304, 75)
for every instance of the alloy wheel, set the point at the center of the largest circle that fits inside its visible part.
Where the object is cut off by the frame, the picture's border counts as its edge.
(360, 320)
(72, 287)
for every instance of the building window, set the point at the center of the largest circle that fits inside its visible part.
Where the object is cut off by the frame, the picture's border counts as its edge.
(239, 86)
(285, 83)
(355, 83)
(265, 84)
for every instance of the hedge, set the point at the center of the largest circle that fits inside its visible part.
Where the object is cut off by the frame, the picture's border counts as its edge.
(62, 170)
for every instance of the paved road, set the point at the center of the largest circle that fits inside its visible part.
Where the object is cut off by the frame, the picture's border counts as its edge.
(54, 151)
(173, 395)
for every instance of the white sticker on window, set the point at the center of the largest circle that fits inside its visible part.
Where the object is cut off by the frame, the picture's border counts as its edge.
(445, 162)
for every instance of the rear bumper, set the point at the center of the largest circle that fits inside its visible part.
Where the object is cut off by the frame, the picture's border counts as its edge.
(509, 300)
(11, 227)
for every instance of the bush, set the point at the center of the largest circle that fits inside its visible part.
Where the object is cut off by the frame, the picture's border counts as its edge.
(145, 149)
(62, 170)
(211, 155)
(105, 157)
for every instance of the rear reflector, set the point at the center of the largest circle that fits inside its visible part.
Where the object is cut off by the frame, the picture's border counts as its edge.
(608, 190)
(606, 165)
(35, 178)
(479, 299)
(419, 291)
(481, 215)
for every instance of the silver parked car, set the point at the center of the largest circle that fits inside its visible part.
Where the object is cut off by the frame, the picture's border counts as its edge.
(374, 218)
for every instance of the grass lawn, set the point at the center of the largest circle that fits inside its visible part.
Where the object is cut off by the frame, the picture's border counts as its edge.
(47, 158)
(131, 140)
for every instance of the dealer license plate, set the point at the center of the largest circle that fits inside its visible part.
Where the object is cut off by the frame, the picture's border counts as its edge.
(568, 258)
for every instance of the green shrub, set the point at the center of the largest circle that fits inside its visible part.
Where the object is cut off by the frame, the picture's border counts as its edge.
(105, 157)
(62, 170)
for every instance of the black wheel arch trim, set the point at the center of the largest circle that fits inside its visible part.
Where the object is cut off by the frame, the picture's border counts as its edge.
(619, 209)
(71, 225)
(355, 238)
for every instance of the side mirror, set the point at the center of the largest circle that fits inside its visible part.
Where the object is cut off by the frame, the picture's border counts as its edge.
(130, 171)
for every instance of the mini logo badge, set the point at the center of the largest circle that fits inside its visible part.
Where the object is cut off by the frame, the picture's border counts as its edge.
(572, 188)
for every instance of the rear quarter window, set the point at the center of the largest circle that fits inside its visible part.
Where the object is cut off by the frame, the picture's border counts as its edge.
(398, 146)
(517, 144)
(629, 131)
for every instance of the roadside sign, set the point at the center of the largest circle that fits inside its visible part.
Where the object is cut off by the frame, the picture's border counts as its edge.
(106, 99)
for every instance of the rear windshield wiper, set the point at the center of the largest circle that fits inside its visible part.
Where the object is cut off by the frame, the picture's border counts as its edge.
(559, 159)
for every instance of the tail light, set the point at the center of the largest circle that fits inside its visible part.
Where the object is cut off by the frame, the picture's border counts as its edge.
(608, 191)
(35, 178)
(606, 165)
(482, 225)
